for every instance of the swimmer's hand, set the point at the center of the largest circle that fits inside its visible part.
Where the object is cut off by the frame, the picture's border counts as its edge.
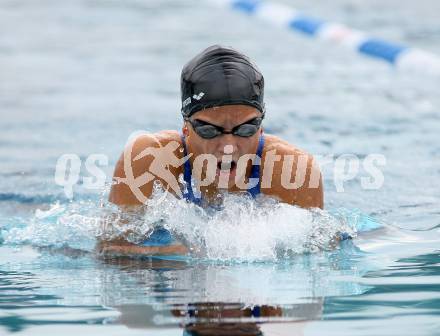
(123, 249)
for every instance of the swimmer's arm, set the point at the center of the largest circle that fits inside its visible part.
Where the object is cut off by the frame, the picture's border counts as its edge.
(123, 196)
(124, 248)
(112, 243)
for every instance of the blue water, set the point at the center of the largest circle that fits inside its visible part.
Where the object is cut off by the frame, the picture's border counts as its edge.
(80, 76)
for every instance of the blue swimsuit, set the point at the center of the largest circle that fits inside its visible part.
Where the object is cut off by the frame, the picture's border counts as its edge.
(189, 194)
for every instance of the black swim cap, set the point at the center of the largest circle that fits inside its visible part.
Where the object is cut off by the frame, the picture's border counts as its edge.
(220, 76)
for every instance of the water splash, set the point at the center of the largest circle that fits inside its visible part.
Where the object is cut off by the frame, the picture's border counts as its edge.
(248, 230)
(243, 230)
(73, 224)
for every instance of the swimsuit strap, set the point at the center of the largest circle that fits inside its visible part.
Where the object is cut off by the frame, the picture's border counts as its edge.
(255, 172)
(256, 311)
(188, 194)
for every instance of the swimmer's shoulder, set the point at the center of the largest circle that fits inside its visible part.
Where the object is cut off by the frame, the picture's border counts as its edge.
(135, 157)
(305, 172)
(282, 147)
(155, 140)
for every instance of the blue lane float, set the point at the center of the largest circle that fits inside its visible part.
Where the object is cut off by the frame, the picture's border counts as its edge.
(401, 56)
(382, 49)
(306, 24)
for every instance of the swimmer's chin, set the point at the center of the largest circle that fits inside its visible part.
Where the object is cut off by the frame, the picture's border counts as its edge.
(125, 249)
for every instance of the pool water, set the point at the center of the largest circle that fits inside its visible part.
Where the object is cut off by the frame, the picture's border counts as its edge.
(81, 76)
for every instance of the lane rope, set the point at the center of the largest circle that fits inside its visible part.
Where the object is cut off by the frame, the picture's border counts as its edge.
(399, 55)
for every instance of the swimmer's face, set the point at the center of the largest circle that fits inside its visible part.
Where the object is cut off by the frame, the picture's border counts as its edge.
(226, 117)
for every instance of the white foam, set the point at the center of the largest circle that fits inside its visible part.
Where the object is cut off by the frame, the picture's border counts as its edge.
(244, 230)
(416, 60)
(248, 230)
(277, 14)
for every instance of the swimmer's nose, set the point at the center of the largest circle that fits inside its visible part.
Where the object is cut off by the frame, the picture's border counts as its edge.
(228, 143)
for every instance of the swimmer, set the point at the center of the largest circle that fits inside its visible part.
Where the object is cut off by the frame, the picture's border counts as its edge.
(222, 94)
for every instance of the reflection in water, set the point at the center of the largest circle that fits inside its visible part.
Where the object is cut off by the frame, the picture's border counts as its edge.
(300, 279)
(218, 299)
(210, 298)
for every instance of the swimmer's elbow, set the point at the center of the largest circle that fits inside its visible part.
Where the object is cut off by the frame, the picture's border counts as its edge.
(319, 199)
(318, 196)
(311, 199)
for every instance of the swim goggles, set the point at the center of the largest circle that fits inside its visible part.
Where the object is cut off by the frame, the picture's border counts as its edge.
(210, 131)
